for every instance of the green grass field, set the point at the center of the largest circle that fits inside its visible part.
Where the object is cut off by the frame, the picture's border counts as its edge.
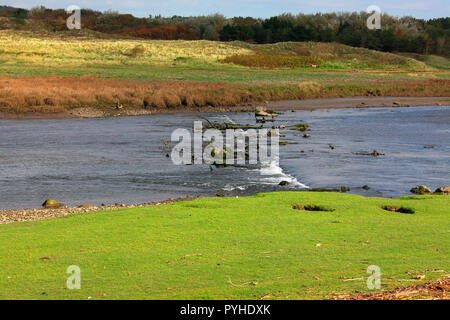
(25, 54)
(228, 248)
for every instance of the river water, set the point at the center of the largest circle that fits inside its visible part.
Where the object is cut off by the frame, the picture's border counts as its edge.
(123, 160)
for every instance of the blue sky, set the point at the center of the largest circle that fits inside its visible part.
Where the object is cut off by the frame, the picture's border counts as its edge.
(255, 8)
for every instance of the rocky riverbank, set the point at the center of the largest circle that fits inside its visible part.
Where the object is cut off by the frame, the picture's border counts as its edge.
(53, 209)
(9, 216)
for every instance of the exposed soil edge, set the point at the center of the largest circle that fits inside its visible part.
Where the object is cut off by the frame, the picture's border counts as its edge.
(308, 104)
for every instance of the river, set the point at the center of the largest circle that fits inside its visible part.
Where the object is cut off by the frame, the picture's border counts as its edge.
(124, 160)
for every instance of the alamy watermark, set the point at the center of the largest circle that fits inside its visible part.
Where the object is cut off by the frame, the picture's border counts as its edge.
(73, 22)
(374, 281)
(74, 280)
(231, 148)
(374, 20)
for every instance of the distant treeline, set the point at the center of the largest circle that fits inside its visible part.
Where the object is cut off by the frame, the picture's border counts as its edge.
(405, 34)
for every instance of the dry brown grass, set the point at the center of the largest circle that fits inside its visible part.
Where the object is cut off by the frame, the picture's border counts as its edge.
(56, 94)
(59, 94)
(437, 290)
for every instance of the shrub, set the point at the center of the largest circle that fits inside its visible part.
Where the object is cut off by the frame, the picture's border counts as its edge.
(137, 51)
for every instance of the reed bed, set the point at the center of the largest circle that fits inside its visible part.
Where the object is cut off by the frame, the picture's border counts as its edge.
(58, 94)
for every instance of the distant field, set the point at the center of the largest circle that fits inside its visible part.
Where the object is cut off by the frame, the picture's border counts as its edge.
(185, 74)
(255, 247)
(24, 53)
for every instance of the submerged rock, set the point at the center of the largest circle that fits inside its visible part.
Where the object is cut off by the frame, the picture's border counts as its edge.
(52, 204)
(261, 112)
(283, 183)
(300, 126)
(374, 153)
(283, 143)
(421, 190)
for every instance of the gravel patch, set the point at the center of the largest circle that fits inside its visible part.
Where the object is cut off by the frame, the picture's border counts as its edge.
(9, 216)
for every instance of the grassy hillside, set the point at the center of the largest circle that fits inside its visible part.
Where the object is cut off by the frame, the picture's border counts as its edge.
(225, 248)
(73, 51)
(340, 56)
(26, 53)
(433, 61)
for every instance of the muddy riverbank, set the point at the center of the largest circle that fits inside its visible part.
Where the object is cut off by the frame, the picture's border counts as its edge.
(285, 105)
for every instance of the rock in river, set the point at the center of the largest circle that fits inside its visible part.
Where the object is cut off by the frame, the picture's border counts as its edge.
(52, 204)
(421, 190)
(443, 190)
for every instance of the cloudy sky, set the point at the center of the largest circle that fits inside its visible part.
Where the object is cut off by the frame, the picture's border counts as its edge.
(254, 8)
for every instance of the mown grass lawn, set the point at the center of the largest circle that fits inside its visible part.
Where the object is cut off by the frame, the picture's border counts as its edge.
(228, 248)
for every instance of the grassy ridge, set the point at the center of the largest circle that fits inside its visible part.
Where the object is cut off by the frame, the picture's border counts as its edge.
(433, 61)
(32, 50)
(228, 248)
(339, 56)
(29, 51)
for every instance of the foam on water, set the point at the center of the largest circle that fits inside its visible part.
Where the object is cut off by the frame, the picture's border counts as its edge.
(277, 175)
(229, 187)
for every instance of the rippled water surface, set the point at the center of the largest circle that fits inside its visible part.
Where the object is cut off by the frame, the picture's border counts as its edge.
(123, 160)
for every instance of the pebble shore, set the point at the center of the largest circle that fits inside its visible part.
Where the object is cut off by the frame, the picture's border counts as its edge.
(9, 216)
